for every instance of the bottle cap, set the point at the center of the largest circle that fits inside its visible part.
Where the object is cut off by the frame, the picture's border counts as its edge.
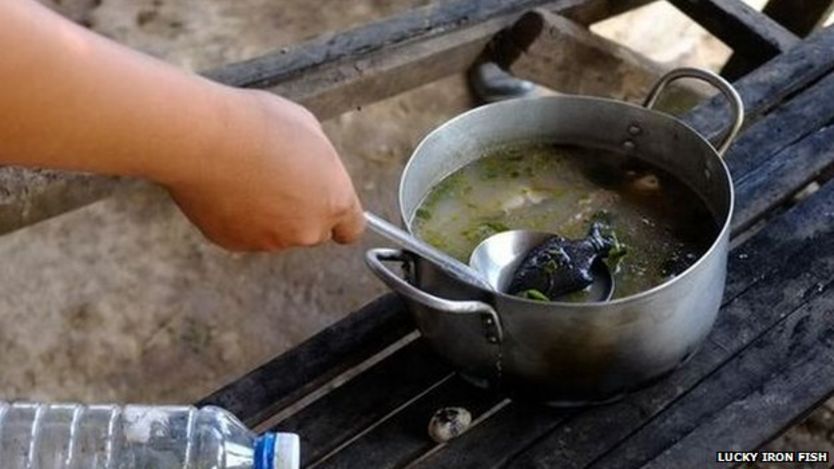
(278, 451)
(287, 451)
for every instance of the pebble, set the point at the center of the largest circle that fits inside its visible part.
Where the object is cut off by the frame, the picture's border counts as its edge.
(448, 423)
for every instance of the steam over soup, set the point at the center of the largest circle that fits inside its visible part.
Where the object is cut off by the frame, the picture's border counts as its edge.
(662, 226)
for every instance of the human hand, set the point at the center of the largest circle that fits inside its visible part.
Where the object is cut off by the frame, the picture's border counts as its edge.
(272, 181)
(251, 170)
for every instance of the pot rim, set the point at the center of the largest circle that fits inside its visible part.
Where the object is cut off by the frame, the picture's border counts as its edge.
(722, 233)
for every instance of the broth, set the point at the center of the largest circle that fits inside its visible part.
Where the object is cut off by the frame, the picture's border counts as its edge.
(663, 224)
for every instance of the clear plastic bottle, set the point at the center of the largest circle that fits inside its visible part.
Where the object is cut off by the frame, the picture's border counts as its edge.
(64, 436)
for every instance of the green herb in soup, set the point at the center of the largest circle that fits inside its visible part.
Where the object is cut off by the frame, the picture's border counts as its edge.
(662, 227)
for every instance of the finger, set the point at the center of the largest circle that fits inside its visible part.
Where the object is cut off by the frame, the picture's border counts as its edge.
(351, 226)
(306, 238)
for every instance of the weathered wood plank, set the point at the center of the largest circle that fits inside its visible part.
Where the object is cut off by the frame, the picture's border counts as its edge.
(801, 17)
(766, 367)
(493, 443)
(770, 84)
(599, 11)
(565, 56)
(773, 182)
(362, 403)
(780, 377)
(802, 115)
(28, 196)
(765, 151)
(333, 89)
(792, 238)
(418, 24)
(403, 437)
(277, 384)
(419, 47)
(740, 26)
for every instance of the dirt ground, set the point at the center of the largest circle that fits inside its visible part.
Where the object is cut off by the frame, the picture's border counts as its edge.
(124, 301)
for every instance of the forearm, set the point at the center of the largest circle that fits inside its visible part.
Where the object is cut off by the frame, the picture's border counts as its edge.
(253, 171)
(73, 100)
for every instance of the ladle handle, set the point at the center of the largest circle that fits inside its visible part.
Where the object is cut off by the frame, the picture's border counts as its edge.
(375, 257)
(736, 104)
(447, 263)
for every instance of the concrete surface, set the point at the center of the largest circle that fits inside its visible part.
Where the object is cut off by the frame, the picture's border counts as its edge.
(124, 301)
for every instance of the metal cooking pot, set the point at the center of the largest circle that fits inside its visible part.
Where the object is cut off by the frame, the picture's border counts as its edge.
(568, 353)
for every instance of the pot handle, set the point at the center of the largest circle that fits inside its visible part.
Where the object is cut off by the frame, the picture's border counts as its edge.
(375, 257)
(736, 105)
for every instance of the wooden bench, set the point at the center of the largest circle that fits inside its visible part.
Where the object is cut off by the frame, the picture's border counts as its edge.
(361, 392)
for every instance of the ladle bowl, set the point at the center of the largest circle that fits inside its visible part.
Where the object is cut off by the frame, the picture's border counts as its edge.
(497, 258)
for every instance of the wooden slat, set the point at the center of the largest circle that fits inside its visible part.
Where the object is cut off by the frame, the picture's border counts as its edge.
(332, 75)
(417, 25)
(689, 428)
(767, 272)
(494, 442)
(772, 83)
(802, 115)
(801, 17)
(414, 25)
(361, 403)
(332, 89)
(797, 376)
(791, 241)
(565, 56)
(28, 196)
(773, 182)
(403, 437)
(741, 27)
(599, 11)
(277, 384)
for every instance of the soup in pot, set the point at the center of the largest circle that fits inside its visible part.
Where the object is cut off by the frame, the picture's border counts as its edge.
(661, 225)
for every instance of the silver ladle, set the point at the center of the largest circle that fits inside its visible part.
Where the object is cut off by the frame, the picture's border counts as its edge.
(494, 261)
(449, 264)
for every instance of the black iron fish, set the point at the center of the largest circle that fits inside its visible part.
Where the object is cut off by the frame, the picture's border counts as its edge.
(560, 266)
